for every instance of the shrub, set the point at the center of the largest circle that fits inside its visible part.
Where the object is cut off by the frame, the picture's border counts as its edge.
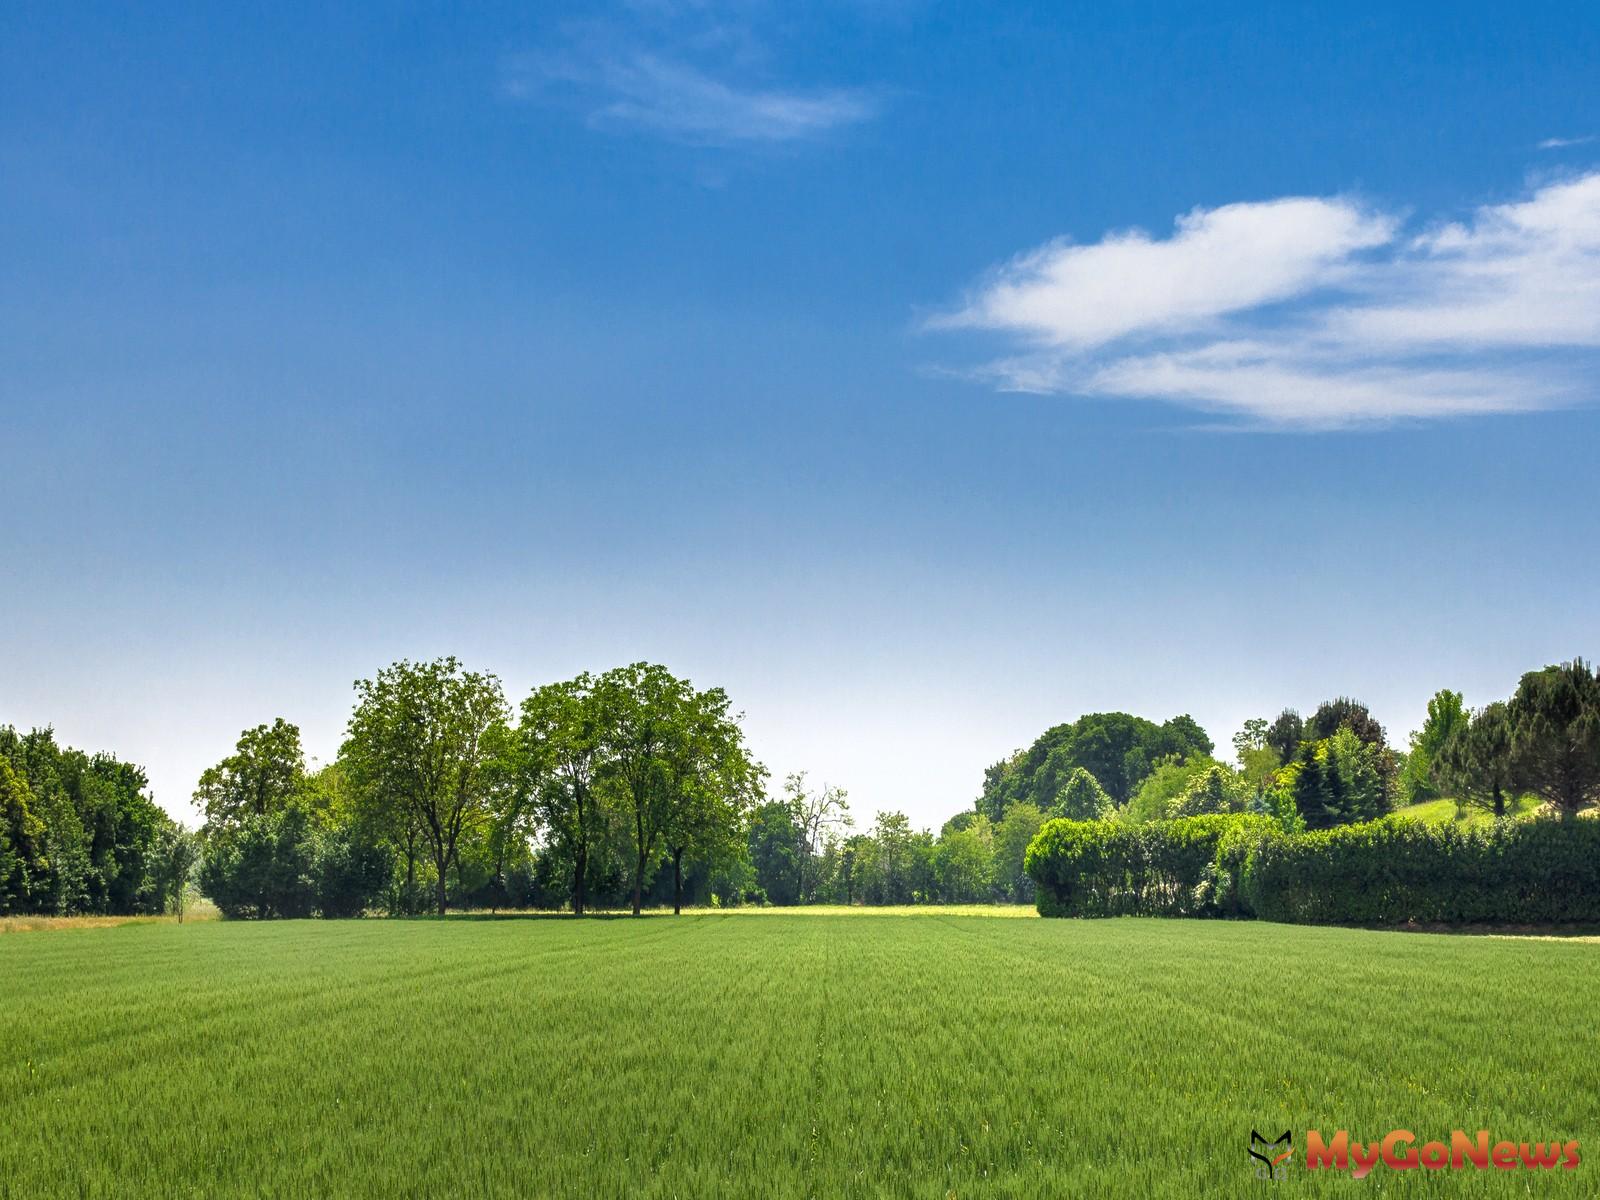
(1387, 873)
(1380, 873)
(1161, 868)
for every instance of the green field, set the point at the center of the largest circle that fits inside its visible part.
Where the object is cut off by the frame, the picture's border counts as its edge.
(785, 1055)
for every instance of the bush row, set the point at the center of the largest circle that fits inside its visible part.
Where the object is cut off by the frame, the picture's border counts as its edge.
(1379, 873)
(1162, 868)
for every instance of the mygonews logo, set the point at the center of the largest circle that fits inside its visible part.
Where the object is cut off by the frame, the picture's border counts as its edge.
(1273, 1156)
(1398, 1150)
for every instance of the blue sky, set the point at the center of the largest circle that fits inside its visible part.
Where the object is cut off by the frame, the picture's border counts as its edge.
(925, 374)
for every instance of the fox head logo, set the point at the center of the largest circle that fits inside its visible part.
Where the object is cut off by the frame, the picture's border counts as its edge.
(1263, 1151)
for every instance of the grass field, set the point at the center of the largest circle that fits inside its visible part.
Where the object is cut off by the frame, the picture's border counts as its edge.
(790, 1055)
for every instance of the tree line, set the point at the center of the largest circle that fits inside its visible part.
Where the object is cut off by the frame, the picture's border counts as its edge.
(1540, 748)
(1301, 831)
(632, 788)
(79, 833)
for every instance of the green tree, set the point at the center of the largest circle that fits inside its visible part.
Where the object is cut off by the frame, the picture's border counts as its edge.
(1081, 798)
(711, 782)
(644, 709)
(1285, 734)
(1017, 828)
(562, 732)
(266, 770)
(819, 814)
(177, 855)
(1474, 762)
(1344, 713)
(417, 741)
(1338, 780)
(1171, 777)
(1253, 736)
(775, 837)
(1217, 790)
(1118, 749)
(1555, 735)
(261, 866)
(21, 833)
(964, 863)
(893, 860)
(1446, 715)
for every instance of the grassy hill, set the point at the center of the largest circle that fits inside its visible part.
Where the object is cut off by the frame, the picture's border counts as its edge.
(786, 1056)
(1445, 812)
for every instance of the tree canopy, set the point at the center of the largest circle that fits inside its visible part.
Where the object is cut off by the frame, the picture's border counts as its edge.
(1117, 748)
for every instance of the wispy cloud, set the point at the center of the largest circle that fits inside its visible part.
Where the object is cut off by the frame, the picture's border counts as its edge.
(696, 73)
(1311, 312)
(1560, 143)
(644, 91)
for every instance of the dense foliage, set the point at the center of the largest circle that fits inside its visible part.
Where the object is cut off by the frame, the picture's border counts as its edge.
(79, 833)
(1117, 749)
(1161, 868)
(1394, 872)
(1380, 872)
(634, 788)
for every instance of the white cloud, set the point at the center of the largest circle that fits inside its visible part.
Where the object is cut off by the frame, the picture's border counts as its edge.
(681, 101)
(1312, 313)
(1219, 261)
(688, 73)
(1561, 143)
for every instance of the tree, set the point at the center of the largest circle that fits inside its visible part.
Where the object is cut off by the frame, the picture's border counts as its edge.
(1081, 798)
(1338, 780)
(1555, 735)
(416, 741)
(1344, 713)
(1161, 789)
(1017, 828)
(710, 781)
(964, 863)
(21, 834)
(1252, 737)
(80, 829)
(265, 771)
(261, 866)
(1216, 790)
(643, 707)
(774, 839)
(1446, 714)
(1285, 734)
(177, 854)
(1118, 749)
(349, 868)
(891, 838)
(561, 732)
(818, 816)
(1474, 763)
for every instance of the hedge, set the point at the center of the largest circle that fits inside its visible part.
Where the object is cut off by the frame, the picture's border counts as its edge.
(1182, 868)
(1378, 873)
(1395, 872)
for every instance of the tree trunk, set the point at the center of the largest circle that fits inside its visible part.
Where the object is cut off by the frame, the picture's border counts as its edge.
(443, 864)
(677, 882)
(1499, 802)
(638, 871)
(578, 872)
(408, 902)
(638, 885)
